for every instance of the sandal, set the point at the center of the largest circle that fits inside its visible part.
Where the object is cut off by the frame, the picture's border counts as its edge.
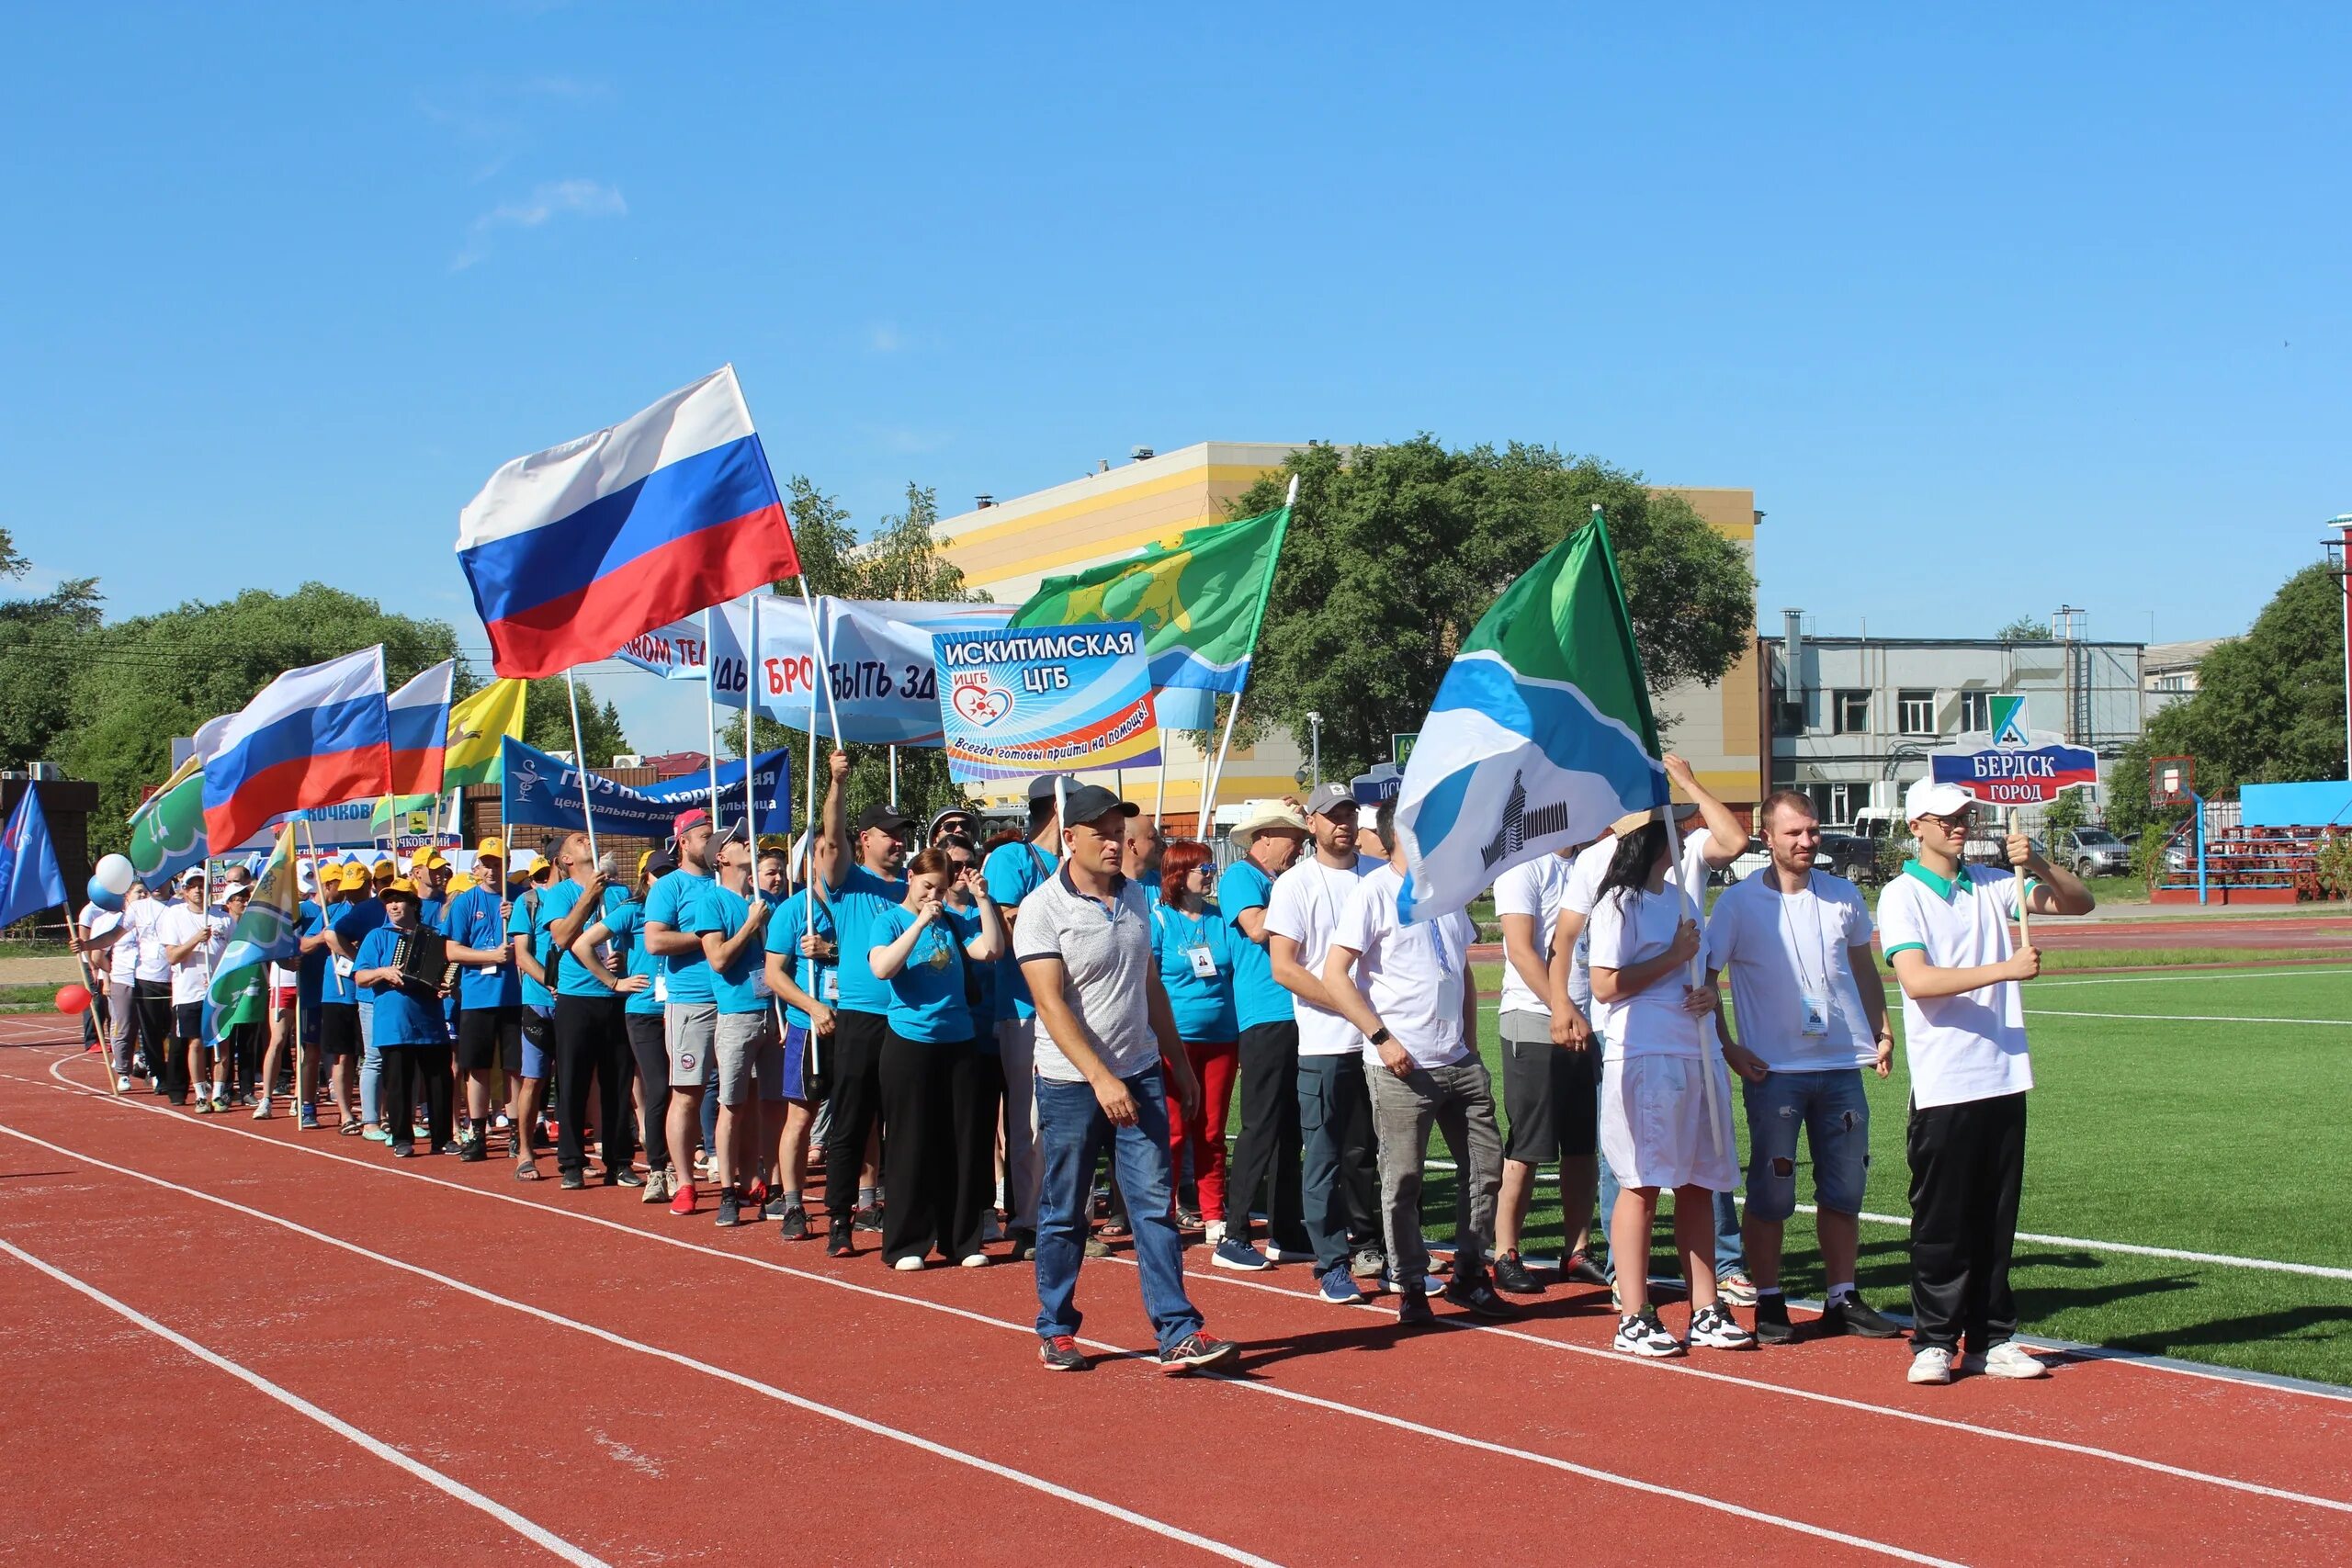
(350, 1129)
(529, 1172)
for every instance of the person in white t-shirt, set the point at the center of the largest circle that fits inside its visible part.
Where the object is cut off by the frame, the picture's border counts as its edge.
(1551, 1073)
(1405, 989)
(1945, 928)
(1810, 1007)
(185, 929)
(1665, 1107)
(108, 947)
(150, 977)
(1300, 919)
(1712, 837)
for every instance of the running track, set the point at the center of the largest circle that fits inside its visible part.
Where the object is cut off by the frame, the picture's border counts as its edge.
(228, 1343)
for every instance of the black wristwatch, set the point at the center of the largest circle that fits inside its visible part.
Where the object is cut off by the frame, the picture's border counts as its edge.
(1380, 1036)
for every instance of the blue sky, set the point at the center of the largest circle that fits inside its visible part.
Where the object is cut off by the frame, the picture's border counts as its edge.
(1992, 313)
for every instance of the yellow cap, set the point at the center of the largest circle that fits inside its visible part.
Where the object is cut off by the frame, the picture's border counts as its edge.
(385, 867)
(353, 875)
(402, 887)
(492, 849)
(461, 883)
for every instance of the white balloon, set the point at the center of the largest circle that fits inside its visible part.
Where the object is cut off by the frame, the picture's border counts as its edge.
(114, 874)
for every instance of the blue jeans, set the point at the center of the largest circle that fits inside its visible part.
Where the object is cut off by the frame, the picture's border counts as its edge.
(1329, 1086)
(1835, 1114)
(1072, 1131)
(1731, 1253)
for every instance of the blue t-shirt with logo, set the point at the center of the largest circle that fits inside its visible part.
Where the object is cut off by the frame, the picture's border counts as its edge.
(724, 910)
(472, 919)
(628, 926)
(1256, 1000)
(571, 976)
(927, 994)
(309, 970)
(1012, 874)
(1203, 1004)
(786, 928)
(685, 978)
(858, 905)
(524, 922)
(353, 922)
(404, 1016)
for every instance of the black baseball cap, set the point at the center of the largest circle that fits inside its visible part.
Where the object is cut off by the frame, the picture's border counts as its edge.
(1042, 786)
(1090, 802)
(889, 821)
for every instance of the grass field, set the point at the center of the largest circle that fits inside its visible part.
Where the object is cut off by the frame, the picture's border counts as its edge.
(2195, 1112)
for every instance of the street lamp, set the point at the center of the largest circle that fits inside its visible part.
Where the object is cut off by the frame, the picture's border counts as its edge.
(1314, 736)
(2339, 550)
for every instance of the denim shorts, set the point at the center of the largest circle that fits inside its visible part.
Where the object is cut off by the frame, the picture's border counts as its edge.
(1835, 1114)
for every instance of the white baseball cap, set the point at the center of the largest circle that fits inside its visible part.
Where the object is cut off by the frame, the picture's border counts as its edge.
(1930, 797)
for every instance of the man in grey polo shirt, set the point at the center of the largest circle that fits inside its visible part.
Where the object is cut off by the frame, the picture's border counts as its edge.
(1104, 1031)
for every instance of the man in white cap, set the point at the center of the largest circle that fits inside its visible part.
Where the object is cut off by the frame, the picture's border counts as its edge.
(1945, 929)
(1266, 1155)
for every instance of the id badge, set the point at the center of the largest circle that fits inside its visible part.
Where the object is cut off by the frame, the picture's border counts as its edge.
(1816, 1014)
(1203, 962)
(661, 986)
(343, 968)
(489, 969)
(828, 986)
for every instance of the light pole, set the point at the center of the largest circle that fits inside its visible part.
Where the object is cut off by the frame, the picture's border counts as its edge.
(2339, 553)
(1315, 738)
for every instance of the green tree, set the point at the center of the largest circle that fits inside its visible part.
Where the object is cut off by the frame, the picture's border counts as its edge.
(546, 722)
(2025, 628)
(1397, 550)
(2268, 707)
(36, 639)
(11, 563)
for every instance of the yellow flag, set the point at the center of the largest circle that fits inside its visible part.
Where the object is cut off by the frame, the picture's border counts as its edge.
(476, 727)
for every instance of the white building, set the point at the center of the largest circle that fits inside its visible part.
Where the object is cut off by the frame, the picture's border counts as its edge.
(1853, 718)
(2169, 669)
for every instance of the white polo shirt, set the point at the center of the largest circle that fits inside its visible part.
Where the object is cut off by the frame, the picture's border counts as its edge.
(1413, 974)
(1971, 1046)
(1533, 888)
(1305, 907)
(1794, 1002)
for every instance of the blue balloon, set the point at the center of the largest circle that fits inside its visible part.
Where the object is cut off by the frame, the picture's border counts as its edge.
(103, 897)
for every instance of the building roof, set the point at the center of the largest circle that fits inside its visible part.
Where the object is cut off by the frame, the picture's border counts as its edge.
(2162, 658)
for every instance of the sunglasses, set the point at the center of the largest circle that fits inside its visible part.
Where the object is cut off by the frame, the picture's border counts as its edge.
(1953, 822)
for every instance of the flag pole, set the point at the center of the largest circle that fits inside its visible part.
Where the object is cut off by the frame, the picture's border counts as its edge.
(318, 885)
(710, 717)
(894, 778)
(1159, 797)
(751, 706)
(579, 763)
(1710, 1080)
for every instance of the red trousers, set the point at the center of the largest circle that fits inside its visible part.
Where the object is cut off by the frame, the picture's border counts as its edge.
(1214, 1063)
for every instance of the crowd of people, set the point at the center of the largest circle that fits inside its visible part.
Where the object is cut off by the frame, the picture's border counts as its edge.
(1038, 1042)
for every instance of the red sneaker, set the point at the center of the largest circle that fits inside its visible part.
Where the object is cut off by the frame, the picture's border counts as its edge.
(756, 1195)
(683, 1203)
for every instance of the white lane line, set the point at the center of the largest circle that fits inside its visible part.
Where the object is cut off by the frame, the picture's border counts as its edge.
(2185, 1017)
(538, 1534)
(1035, 1482)
(1611, 1357)
(1027, 1330)
(2043, 985)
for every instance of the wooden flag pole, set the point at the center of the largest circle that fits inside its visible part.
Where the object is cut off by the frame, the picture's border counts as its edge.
(1711, 1081)
(580, 764)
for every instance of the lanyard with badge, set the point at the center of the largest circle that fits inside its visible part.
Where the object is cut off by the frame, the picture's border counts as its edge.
(1813, 993)
(1194, 941)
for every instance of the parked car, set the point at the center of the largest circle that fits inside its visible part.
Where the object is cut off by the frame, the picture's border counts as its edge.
(1753, 859)
(1842, 854)
(2091, 852)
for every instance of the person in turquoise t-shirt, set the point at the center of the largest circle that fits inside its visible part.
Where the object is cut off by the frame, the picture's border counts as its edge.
(410, 1032)
(622, 931)
(976, 1086)
(591, 1041)
(1266, 1155)
(1192, 946)
(863, 879)
(1014, 871)
(490, 1019)
(730, 919)
(921, 950)
(803, 971)
(526, 1095)
(689, 1006)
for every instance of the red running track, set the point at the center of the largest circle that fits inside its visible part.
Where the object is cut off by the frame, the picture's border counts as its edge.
(645, 1388)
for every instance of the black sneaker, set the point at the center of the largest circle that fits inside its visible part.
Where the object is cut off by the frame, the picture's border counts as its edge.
(868, 1220)
(474, 1150)
(1773, 1325)
(1473, 1294)
(1851, 1314)
(794, 1222)
(1197, 1352)
(403, 1151)
(730, 1207)
(838, 1243)
(776, 1208)
(1580, 1269)
(1511, 1275)
(445, 1148)
(1061, 1354)
(1024, 1246)
(625, 1177)
(1413, 1307)
(573, 1181)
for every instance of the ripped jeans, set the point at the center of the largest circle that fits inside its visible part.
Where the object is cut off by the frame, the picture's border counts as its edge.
(1835, 1115)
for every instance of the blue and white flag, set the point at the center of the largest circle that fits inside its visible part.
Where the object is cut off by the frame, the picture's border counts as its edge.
(28, 863)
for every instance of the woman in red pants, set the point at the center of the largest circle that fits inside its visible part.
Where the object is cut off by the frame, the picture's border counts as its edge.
(1192, 945)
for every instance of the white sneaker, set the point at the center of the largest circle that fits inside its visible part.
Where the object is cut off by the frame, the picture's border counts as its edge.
(1213, 1231)
(908, 1265)
(122, 1083)
(976, 1261)
(1736, 1289)
(1287, 1254)
(1930, 1365)
(1716, 1329)
(2006, 1360)
(1643, 1335)
(261, 1109)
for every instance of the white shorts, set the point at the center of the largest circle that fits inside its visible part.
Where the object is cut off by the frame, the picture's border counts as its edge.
(1654, 1123)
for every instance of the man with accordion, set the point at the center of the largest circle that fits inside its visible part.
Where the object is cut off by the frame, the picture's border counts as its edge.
(404, 965)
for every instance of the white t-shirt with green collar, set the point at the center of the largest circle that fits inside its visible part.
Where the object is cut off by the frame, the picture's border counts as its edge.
(1970, 1047)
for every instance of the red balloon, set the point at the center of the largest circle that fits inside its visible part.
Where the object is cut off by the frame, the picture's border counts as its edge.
(73, 1000)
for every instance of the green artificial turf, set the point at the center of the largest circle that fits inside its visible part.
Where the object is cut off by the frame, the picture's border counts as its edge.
(2170, 1126)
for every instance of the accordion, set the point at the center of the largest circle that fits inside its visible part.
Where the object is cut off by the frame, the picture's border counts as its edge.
(422, 958)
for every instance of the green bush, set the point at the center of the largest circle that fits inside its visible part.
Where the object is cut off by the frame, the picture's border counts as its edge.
(2335, 865)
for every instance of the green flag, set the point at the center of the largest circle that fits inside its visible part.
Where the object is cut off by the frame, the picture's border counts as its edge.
(167, 832)
(270, 930)
(1199, 598)
(392, 807)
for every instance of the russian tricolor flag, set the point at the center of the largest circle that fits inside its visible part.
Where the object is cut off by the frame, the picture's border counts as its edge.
(419, 713)
(317, 735)
(573, 551)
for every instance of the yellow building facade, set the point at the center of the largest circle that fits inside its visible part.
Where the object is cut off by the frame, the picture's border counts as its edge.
(1007, 547)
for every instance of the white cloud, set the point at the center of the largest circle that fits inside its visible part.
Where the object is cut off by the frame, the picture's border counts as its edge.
(557, 198)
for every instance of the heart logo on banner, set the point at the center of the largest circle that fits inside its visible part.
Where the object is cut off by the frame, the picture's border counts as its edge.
(982, 705)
